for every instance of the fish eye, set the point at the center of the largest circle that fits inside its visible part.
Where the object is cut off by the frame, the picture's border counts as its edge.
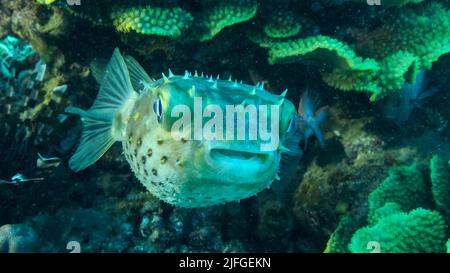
(158, 109)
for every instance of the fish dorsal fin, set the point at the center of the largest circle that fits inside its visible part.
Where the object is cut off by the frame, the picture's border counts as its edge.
(98, 122)
(98, 68)
(138, 76)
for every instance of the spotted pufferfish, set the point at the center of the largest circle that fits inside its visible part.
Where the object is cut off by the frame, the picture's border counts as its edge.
(136, 110)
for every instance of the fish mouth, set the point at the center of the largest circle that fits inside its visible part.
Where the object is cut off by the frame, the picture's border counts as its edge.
(242, 166)
(235, 158)
(235, 155)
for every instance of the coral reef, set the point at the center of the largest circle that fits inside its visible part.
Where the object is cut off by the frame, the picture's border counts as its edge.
(419, 231)
(401, 216)
(405, 186)
(440, 183)
(152, 21)
(371, 175)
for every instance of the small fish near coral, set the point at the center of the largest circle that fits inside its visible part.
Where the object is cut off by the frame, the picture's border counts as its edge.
(181, 170)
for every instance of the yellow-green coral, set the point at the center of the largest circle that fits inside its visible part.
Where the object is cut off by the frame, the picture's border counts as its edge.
(411, 41)
(423, 32)
(282, 24)
(152, 20)
(224, 14)
(340, 66)
(396, 69)
(332, 52)
(46, 2)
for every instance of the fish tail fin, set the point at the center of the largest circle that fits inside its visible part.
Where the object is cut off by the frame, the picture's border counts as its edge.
(100, 128)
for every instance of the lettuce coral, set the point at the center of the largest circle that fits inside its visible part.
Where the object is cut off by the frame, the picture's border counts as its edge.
(405, 186)
(418, 231)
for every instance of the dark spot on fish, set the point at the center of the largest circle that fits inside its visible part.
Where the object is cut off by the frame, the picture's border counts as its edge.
(160, 141)
(163, 159)
(145, 172)
(183, 140)
(144, 159)
(149, 152)
(154, 172)
(135, 152)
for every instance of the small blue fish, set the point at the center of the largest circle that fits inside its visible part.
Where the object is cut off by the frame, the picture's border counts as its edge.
(399, 106)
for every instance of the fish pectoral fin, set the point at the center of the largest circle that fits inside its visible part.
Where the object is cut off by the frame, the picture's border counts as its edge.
(98, 122)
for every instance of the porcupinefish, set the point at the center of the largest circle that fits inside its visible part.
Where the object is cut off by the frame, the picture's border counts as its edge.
(180, 169)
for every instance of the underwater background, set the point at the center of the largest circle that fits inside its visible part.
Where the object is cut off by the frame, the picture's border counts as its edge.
(380, 183)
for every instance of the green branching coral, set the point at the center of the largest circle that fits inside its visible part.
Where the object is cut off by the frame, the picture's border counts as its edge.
(440, 183)
(223, 14)
(418, 231)
(405, 186)
(408, 42)
(396, 69)
(332, 52)
(340, 66)
(152, 20)
(282, 24)
(423, 32)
